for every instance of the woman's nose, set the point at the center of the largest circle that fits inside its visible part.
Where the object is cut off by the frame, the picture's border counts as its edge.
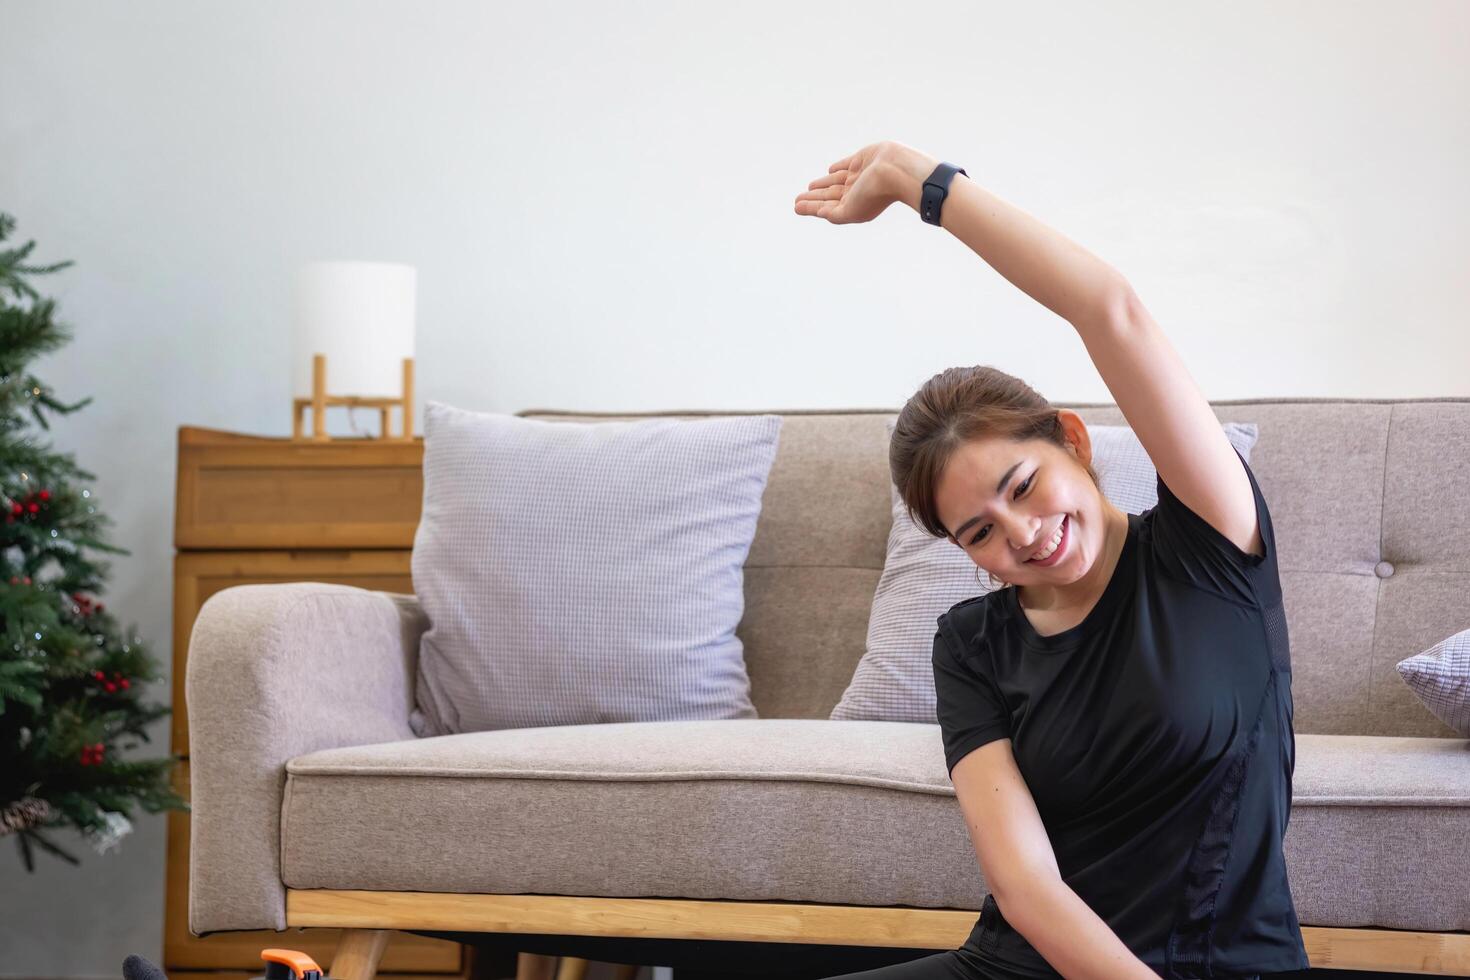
(1023, 533)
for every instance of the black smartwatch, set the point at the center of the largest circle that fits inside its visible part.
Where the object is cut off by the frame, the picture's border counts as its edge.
(936, 188)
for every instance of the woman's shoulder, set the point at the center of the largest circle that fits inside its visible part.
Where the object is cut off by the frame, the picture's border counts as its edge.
(970, 620)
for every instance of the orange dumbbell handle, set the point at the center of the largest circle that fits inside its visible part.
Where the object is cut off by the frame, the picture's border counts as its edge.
(298, 961)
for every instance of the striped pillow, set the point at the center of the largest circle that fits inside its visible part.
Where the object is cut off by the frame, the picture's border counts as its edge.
(923, 576)
(1440, 678)
(579, 572)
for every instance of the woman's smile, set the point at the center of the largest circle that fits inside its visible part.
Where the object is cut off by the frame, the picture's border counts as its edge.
(1060, 550)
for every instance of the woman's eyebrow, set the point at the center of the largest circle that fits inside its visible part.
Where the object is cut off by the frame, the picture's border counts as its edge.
(999, 488)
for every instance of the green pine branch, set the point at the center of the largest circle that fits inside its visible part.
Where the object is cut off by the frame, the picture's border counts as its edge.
(72, 679)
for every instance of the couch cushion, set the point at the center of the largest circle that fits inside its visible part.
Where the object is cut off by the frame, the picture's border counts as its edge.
(584, 573)
(851, 812)
(829, 811)
(1377, 832)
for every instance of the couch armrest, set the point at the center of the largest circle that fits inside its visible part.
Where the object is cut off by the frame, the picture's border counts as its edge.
(276, 671)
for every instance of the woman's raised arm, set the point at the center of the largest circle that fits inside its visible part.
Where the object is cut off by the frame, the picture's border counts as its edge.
(1156, 394)
(1043, 263)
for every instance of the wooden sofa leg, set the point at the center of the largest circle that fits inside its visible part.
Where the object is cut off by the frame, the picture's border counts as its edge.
(572, 968)
(358, 953)
(534, 966)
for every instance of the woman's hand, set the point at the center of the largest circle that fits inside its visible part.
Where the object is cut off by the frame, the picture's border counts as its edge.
(860, 187)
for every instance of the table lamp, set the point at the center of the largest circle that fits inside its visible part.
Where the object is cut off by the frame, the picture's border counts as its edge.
(353, 326)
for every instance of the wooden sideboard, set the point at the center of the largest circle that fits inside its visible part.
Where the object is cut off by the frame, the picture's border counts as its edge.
(252, 509)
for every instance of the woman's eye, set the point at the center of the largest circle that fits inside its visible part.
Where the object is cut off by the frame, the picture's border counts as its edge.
(1019, 490)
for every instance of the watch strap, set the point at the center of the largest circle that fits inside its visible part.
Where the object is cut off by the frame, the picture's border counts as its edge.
(936, 189)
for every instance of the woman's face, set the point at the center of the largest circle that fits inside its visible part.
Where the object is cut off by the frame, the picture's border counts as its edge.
(1003, 502)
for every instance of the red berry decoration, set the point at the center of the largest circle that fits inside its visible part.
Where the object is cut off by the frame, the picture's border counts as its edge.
(124, 683)
(109, 687)
(44, 494)
(33, 508)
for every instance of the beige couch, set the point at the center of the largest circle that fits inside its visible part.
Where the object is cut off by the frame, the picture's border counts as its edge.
(314, 804)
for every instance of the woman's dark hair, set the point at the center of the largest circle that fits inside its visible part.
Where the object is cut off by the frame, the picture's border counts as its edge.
(955, 406)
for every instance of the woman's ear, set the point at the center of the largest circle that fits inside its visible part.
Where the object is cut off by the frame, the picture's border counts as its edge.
(1079, 442)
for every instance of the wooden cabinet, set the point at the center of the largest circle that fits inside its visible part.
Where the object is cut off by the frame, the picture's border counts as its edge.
(255, 509)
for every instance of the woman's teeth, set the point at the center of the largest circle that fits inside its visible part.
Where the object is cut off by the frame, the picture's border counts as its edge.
(1051, 545)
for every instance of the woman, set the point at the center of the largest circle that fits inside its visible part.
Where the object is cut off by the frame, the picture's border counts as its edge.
(1116, 714)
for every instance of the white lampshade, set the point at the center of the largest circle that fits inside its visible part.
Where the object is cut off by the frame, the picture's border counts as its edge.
(361, 316)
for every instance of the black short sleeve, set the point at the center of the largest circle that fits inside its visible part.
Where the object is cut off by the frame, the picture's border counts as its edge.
(1188, 548)
(969, 706)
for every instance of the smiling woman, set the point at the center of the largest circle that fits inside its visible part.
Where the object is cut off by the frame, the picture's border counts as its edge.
(1080, 708)
(1009, 472)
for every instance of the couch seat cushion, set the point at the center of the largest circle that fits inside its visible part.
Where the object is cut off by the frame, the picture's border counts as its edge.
(857, 812)
(1378, 831)
(814, 810)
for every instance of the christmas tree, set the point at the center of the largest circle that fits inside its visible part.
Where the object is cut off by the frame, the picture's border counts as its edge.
(71, 680)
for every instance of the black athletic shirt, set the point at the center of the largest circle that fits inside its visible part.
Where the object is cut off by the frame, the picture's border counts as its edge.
(1156, 739)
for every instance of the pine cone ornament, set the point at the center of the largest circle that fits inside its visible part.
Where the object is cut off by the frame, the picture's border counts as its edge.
(23, 814)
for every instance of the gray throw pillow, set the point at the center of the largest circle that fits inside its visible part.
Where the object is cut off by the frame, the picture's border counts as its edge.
(1440, 678)
(923, 576)
(584, 572)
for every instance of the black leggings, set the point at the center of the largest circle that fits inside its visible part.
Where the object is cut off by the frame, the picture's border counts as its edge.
(952, 964)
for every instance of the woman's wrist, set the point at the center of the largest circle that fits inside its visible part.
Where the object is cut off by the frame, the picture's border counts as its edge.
(907, 169)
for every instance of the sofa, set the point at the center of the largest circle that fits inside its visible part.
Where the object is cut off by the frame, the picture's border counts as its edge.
(315, 805)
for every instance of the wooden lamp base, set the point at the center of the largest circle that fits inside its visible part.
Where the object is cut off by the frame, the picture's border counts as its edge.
(319, 401)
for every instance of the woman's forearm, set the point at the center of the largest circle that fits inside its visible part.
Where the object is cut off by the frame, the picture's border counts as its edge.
(1039, 260)
(1067, 932)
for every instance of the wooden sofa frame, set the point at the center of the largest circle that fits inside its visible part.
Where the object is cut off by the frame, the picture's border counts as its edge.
(368, 916)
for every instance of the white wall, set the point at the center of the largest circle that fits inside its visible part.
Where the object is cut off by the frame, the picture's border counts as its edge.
(598, 198)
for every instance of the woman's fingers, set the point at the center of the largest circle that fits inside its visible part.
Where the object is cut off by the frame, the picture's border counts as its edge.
(822, 194)
(850, 191)
(814, 201)
(814, 207)
(821, 201)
